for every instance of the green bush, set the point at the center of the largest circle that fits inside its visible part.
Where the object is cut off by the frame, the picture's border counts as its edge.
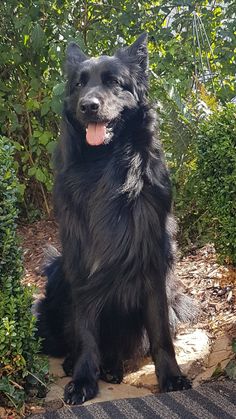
(21, 368)
(216, 180)
(34, 36)
(207, 206)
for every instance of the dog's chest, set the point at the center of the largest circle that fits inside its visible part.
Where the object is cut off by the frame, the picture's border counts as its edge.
(117, 217)
(115, 201)
(120, 228)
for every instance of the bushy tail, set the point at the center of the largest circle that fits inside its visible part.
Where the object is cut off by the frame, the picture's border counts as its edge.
(182, 308)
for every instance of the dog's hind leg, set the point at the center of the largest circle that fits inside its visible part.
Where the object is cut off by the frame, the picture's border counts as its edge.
(110, 344)
(111, 370)
(161, 345)
(68, 365)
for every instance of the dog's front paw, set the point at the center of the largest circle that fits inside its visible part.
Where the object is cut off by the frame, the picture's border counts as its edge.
(77, 392)
(175, 383)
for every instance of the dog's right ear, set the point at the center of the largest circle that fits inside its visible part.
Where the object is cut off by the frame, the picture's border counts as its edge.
(74, 56)
(138, 50)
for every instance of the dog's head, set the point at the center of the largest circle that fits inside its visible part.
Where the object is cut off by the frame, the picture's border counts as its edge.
(100, 89)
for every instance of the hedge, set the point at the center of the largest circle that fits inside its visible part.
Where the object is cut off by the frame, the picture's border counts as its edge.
(22, 371)
(207, 206)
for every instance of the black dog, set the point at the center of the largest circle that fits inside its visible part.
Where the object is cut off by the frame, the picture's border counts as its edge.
(112, 195)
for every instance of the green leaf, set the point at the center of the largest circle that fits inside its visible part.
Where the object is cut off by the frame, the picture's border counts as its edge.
(40, 176)
(32, 104)
(56, 105)
(18, 108)
(37, 37)
(18, 146)
(218, 371)
(59, 89)
(26, 38)
(32, 171)
(21, 189)
(45, 108)
(35, 84)
(45, 137)
(234, 345)
(230, 369)
(51, 146)
(37, 133)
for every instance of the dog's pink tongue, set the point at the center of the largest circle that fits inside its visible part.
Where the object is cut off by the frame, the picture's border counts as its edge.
(95, 133)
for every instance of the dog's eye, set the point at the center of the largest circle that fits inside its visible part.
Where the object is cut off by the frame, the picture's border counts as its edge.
(81, 83)
(112, 81)
(109, 79)
(83, 80)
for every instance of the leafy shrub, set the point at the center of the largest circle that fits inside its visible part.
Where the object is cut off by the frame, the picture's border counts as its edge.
(34, 35)
(216, 180)
(21, 369)
(209, 194)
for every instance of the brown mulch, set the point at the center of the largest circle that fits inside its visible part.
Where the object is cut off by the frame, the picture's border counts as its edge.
(211, 285)
(34, 240)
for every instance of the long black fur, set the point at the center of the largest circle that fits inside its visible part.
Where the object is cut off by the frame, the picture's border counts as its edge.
(113, 281)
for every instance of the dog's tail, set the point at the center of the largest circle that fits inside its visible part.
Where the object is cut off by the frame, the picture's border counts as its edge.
(51, 255)
(182, 308)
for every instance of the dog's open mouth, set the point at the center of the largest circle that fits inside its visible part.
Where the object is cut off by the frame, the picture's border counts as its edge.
(96, 133)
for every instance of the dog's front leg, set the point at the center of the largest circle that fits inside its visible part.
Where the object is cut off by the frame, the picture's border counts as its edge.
(84, 383)
(161, 345)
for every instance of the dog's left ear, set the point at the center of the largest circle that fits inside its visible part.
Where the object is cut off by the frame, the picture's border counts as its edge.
(138, 50)
(74, 53)
(74, 56)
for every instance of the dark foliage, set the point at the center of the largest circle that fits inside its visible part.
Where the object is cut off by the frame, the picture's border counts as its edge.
(21, 369)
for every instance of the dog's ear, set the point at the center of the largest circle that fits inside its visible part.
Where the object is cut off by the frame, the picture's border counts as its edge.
(74, 56)
(138, 50)
(135, 57)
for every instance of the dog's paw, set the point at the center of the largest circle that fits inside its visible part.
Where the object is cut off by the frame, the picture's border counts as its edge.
(175, 383)
(110, 376)
(77, 392)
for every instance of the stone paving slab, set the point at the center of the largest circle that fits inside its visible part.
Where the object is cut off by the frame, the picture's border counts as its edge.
(195, 356)
(107, 392)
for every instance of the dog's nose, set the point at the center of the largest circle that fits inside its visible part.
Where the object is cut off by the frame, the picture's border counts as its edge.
(89, 105)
